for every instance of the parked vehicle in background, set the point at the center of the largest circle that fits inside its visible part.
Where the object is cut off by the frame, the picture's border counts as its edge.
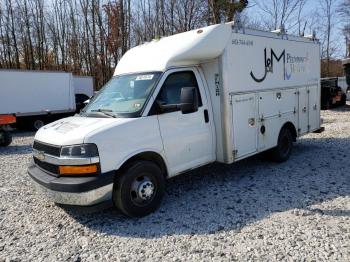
(5, 136)
(331, 93)
(346, 65)
(83, 89)
(342, 84)
(220, 93)
(39, 97)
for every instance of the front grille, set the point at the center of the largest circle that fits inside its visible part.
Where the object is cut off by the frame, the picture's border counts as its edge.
(47, 149)
(47, 166)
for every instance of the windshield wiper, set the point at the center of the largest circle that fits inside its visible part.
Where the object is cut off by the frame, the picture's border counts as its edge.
(105, 112)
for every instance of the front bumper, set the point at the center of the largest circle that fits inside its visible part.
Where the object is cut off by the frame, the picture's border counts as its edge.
(81, 191)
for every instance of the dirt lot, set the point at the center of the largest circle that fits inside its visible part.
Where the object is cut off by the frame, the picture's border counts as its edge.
(252, 210)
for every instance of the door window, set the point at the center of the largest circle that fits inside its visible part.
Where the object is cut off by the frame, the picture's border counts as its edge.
(171, 89)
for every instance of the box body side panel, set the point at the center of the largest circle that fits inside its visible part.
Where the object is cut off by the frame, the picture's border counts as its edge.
(35, 92)
(261, 78)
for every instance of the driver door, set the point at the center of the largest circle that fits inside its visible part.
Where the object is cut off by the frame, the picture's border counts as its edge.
(187, 138)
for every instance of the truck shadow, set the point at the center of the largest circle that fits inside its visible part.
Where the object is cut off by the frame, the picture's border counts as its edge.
(22, 134)
(345, 108)
(16, 149)
(228, 197)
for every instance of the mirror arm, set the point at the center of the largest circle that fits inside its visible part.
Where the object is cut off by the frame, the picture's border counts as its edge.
(170, 106)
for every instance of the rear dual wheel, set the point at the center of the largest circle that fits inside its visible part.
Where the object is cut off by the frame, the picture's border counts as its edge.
(284, 146)
(139, 190)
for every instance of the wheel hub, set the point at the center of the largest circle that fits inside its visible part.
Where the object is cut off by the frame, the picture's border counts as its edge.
(38, 124)
(146, 190)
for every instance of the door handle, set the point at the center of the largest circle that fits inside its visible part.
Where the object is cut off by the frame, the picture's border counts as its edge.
(206, 116)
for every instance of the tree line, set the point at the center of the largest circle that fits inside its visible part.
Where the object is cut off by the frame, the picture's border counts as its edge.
(88, 37)
(329, 19)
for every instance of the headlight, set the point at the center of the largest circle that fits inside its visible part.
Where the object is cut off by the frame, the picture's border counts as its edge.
(80, 151)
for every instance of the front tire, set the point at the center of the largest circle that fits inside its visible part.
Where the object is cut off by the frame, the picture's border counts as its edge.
(284, 146)
(139, 190)
(5, 138)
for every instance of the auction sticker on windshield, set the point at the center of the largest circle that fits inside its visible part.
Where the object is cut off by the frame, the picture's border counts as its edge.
(144, 77)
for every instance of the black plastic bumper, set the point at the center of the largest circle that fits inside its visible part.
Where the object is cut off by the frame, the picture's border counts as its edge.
(69, 184)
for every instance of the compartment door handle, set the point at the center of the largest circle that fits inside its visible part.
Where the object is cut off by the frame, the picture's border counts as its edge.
(206, 116)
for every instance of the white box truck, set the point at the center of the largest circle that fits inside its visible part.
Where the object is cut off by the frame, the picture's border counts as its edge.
(84, 89)
(220, 93)
(83, 85)
(36, 97)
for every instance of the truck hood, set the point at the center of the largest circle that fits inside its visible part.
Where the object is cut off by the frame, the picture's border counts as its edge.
(73, 130)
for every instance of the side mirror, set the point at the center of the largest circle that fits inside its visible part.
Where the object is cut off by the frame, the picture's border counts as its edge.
(189, 100)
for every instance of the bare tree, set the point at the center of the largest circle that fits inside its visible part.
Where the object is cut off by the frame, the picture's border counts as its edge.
(90, 36)
(344, 11)
(327, 11)
(278, 13)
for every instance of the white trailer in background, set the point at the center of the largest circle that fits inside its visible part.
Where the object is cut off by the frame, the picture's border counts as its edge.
(220, 93)
(84, 90)
(36, 97)
(83, 85)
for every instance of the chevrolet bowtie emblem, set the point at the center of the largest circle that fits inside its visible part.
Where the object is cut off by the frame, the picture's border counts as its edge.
(40, 155)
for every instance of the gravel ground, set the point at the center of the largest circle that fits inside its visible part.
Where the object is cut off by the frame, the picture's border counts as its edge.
(252, 210)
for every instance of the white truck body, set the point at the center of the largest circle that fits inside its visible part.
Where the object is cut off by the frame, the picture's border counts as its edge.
(83, 85)
(26, 93)
(225, 60)
(251, 84)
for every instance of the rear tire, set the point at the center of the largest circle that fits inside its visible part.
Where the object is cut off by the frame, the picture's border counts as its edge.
(329, 104)
(139, 190)
(37, 124)
(284, 146)
(5, 138)
(343, 100)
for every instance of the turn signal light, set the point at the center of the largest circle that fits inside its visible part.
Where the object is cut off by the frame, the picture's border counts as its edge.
(78, 170)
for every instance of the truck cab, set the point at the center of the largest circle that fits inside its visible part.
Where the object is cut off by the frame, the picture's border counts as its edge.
(159, 119)
(174, 105)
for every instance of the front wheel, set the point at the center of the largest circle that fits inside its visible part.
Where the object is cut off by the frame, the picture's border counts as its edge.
(140, 189)
(5, 138)
(284, 146)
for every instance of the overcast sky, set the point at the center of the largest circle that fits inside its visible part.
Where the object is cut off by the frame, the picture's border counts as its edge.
(313, 14)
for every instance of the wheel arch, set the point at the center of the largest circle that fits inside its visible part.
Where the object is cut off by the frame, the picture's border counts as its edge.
(149, 156)
(290, 126)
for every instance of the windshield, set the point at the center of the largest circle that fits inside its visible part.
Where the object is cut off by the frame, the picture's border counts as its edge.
(123, 95)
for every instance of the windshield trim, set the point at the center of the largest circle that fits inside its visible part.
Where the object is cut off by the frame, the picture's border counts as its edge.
(136, 114)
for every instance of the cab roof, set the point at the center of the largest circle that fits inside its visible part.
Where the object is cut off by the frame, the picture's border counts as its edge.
(182, 49)
(188, 48)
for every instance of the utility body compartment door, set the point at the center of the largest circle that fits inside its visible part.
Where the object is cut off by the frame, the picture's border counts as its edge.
(244, 121)
(314, 108)
(276, 108)
(303, 112)
(309, 109)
